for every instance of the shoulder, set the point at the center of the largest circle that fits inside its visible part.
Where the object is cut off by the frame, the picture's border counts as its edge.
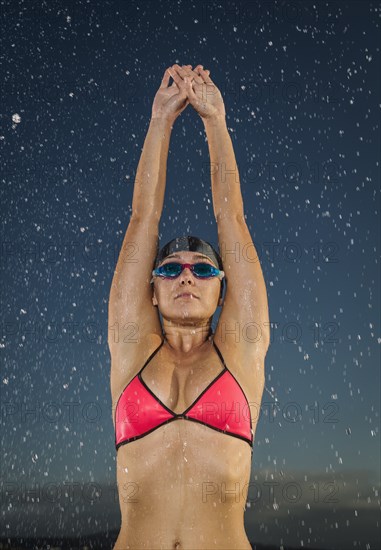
(125, 366)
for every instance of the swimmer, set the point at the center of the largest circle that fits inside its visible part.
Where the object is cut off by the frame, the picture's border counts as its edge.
(186, 399)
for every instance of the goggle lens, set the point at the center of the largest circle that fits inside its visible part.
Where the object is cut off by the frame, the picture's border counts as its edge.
(202, 270)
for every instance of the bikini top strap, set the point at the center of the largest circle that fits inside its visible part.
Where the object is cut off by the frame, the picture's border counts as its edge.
(220, 355)
(150, 357)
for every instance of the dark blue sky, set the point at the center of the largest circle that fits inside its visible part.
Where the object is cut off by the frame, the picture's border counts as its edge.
(301, 84)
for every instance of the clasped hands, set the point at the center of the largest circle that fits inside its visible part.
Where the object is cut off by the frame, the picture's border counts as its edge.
(189, 86)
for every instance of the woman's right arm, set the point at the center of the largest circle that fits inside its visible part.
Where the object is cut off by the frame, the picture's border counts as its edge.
(130, 296)
(149, 187)
(132, 317)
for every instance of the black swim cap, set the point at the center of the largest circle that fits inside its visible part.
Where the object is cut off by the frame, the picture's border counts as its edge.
(191, 244)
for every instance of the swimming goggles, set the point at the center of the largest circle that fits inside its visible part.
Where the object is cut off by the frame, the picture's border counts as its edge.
(172, 270)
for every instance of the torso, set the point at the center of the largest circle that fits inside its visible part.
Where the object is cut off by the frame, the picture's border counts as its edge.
(184, 485)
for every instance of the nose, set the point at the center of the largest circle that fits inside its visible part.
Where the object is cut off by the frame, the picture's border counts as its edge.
(186, 274)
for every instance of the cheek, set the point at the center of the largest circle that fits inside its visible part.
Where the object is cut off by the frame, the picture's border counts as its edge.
(162, 290)
(211, 293)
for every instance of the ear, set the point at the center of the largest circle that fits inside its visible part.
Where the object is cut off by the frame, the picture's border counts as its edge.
(154, 300)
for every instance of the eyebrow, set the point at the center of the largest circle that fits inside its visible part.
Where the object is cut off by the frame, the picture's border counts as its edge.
(193, 257)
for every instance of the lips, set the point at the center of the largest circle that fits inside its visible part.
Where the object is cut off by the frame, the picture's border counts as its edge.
(186, 295)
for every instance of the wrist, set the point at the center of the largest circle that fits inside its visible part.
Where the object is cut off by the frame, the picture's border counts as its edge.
(214, 121)
(165, 121)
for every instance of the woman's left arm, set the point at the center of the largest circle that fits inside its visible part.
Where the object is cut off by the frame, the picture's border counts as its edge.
(226, 188)
(244, 319)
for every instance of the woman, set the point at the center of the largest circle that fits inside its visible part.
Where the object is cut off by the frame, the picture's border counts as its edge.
(184, 427)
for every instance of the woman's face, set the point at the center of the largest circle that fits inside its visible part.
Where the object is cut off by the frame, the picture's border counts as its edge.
(204, 298)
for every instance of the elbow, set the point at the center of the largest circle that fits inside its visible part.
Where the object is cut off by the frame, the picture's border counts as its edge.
(230, 217)
(265, 338)
(240, 217)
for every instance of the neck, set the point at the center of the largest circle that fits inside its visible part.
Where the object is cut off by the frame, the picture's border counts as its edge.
(185, 340)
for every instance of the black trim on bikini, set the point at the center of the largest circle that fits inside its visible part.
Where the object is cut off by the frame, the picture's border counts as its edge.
(250, 442)
(181, 415)
(175, 416)
(126, 386)
(244, 394)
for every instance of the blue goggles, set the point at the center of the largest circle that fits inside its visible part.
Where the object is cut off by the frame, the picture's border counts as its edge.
(201, 270)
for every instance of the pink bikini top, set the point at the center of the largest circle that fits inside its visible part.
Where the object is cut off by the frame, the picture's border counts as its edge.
(222, 406)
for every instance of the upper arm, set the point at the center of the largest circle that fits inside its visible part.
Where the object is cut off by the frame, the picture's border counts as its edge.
(132, 318)
(244, 320)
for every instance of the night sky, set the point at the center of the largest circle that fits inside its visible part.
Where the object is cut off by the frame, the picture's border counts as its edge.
(301, 85)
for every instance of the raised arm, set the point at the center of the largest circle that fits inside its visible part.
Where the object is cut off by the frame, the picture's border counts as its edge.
(244, 320)
(149, 188)
(245, 303)
(132, 317)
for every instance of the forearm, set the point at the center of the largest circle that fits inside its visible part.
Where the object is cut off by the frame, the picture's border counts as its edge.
(149, 188)
(226, 188)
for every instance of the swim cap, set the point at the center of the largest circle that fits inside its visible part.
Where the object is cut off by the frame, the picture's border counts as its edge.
(191, 244)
